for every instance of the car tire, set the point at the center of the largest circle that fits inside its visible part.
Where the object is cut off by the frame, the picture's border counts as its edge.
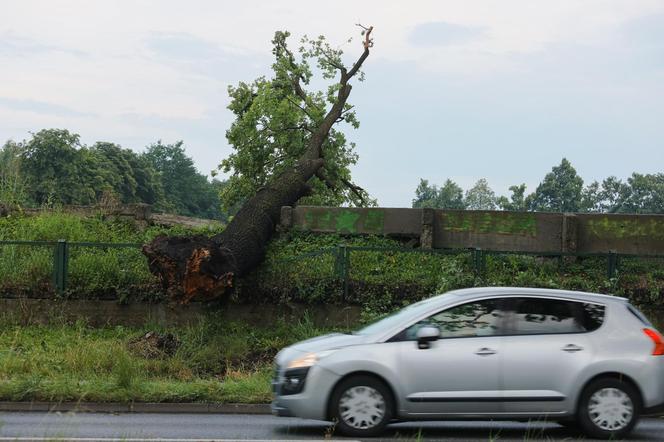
(608, 409)
(361, 406)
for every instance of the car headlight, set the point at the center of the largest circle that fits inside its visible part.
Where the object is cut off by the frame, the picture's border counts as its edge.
(309, 359)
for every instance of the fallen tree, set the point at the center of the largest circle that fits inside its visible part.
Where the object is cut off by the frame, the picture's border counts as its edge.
(205, 268)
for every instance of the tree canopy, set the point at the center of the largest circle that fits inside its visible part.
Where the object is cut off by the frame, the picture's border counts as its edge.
(449, 196)
(561, 190)
(276, 118)
(54, 168)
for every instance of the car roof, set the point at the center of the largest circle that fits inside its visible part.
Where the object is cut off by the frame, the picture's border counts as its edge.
(482, 292)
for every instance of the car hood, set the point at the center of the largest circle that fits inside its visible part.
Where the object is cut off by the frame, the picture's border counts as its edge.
(317, 344)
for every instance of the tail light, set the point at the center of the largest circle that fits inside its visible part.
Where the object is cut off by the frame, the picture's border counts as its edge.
(657, 340)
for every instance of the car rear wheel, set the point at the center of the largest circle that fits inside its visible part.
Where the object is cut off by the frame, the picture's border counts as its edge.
(361, 406)
(609, 409)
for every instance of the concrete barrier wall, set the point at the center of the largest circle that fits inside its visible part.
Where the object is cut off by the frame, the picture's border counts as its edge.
(523, 231)
(378, 221)
(634, 234)
(490, 230)
(109, 313)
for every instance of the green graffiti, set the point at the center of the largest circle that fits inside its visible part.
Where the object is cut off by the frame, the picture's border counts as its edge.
(318, 220)
(374, 221)
(623, 228)
(505, 224)
(346, 220)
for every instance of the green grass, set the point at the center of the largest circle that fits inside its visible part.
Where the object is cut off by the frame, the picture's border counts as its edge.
(214, 362)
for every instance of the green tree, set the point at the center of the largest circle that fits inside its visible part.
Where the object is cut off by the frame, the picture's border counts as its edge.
(644, 194)
(480, 196)
(198, 267)
(59, 170)
(131, 177)
(186, 191)
(591, 198)
(560, 191)
(612, 195)
(450, 196)
(13, 189)
(518, 202)
(276, 119)
(425, 195)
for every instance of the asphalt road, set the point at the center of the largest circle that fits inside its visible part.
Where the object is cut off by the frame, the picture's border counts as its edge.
(37, 426)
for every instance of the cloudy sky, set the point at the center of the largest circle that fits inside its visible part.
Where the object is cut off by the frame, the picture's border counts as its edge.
(455, 89)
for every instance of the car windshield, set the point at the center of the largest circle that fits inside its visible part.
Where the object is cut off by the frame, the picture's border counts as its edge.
(401, 316)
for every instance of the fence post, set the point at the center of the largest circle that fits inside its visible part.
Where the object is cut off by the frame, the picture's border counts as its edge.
(341, 267)
(611, 264)
(479, 262)
(60, 264)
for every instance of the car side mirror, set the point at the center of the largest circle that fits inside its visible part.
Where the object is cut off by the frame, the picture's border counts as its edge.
(426, 335)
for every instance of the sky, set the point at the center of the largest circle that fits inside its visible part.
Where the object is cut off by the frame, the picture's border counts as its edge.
(495, 89)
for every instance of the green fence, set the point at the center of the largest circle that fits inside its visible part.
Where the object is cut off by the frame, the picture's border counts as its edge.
(72, 264)
(348, 265)
(21, 253)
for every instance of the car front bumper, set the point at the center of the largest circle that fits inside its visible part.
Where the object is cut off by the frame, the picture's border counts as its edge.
(312, 402)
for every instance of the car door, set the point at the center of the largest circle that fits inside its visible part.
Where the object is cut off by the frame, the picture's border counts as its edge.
(458, 373)
(545, 349)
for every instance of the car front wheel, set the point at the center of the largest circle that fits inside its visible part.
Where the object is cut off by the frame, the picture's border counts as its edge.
(361, 406)
(609, 409)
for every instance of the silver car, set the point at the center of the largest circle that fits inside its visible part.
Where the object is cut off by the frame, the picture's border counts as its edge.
(582, 359)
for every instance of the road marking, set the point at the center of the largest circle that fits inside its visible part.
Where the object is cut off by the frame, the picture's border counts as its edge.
(125, 439)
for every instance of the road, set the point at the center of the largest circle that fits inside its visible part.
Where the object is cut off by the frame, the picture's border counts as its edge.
(84, 427)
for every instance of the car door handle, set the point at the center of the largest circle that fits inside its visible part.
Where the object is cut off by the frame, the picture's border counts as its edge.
(485, 351)
(571, 348)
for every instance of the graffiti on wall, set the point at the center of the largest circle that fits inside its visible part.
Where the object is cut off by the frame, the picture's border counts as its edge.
(624, 228)
(512, 223)
(344, 220)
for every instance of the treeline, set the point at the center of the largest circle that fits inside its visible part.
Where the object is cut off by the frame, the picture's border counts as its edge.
(54, 168)
(561, 190)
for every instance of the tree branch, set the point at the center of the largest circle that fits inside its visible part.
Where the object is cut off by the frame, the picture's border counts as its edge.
(357, 190)
(320, 173)
(301, 108)
(368, 43)
(314, 149)
(298, 89)
(334, 64)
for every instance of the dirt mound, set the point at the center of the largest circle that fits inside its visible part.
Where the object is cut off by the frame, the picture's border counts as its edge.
(154, 345)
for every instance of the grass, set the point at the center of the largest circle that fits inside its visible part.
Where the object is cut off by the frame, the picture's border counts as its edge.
(221, 363)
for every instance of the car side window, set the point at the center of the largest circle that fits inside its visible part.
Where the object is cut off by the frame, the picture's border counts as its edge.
(479, 318)
(532, 316)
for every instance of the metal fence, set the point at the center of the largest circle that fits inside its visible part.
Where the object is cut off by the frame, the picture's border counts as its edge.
(61, 255)
(478, 258)
(341, 258)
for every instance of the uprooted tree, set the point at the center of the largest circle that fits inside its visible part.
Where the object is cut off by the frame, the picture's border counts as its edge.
(298, 159)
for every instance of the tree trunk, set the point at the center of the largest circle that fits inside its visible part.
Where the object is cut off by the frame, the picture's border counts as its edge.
(203, 268)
